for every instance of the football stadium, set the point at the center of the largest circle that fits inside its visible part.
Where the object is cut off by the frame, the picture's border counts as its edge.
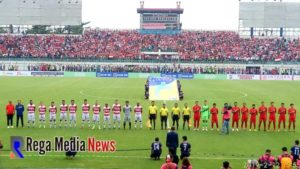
(78, 90)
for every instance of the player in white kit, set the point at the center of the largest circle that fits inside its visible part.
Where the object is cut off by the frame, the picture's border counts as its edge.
(96, 116)
(72, 110)
(138, 110)
(52, 111)
(116, 108)
(42, 115)
(31, 115)
(106, 116)
(63, 113)
(85, 113)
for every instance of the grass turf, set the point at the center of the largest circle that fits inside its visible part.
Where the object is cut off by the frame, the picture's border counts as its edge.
(209, 149)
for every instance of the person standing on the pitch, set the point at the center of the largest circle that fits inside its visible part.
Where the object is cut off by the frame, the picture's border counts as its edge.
(253, 114)
(63, 113)
(10, 111)
(196, 110)
(42, 114)
(226, 118)
(127, 111)
(117, 108)
(72, 110)
(214, 116)
(85, 113)
(205, 115)
(292, 116)
(272, 116)
(172, 141)
(52, 111)
(164, 113)
(186, 112)
(175, 115)
(106, 116)
(262, 115)
(282, 112)
(138, 111)
(245, 114)
(20, 110)
(31, 113)
(152, 114)
(235, 116)
(96, 115)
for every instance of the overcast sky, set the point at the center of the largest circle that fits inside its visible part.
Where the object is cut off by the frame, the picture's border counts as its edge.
(198, 14)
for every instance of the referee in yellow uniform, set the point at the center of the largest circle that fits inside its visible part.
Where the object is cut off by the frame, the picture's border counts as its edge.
(164, 113)
(186, 111)
(175, 115)
(152, 114)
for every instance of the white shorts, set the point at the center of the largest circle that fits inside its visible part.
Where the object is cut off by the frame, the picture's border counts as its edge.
(117, 117)
(127, 118)
(52, 116)
(85, 116)
(31, 117)
(106, 118)
(42, 117)
(63, 116)
(96, 117)
(72, 117)
(138, 117)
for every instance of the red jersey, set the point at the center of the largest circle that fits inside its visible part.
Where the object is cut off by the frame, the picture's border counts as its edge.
(63, 108)
(282, 111)
(262, 111)
(116, 108)
(235, 112)
(42, 109)
(214, 111)
(96, 109)
(10, 109)
(85, 108)
(138, 109)
(52, 109)
(244, 111)
(196, 110)
(106, 111)
(253, 113)
(292, 113)
(73, 108)
(272, 111)
(31, 108)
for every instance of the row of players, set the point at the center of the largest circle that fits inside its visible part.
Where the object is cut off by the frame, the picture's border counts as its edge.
(200, 112)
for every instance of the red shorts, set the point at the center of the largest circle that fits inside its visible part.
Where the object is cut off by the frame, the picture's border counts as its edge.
(244, 119)
(197, 117)
(292, 119)
(235, 119)
(253, 120)
(262, 119)
(281, 118)
(272, 119)
(214, 119)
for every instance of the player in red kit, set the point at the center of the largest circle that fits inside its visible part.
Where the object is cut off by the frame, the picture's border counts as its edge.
(245, 112)
(292, 116)
(253, 114)
(235, 116)
(282, 112)
(214, 116)
(196, 110)
(272, 116)
(262, 115)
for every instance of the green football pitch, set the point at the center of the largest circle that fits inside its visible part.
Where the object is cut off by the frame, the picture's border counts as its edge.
(209, 149)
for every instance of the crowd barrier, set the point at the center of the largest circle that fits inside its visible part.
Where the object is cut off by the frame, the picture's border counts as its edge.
(146, 75)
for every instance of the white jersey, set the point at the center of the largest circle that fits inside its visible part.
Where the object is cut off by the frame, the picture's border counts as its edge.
(96, 109)
(42, 109)
(85, 108)
(31, 108)
(52, 110)
(138, 110)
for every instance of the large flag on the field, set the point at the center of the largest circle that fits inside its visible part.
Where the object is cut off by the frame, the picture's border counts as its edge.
(163, 88)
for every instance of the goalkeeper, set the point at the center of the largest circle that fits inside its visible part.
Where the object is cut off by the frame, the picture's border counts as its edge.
(205, 115)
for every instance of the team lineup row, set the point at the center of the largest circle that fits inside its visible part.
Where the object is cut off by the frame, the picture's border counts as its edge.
(200, 112)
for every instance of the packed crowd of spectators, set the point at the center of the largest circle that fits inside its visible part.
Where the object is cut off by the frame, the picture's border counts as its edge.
(129, 44)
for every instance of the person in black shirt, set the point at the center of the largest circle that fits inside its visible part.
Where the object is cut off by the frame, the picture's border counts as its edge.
(156, 149)
(185, 148)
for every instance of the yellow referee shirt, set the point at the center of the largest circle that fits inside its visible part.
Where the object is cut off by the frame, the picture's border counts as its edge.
(176, 110)
(152, 109)
(164, 111)
(186, 111)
